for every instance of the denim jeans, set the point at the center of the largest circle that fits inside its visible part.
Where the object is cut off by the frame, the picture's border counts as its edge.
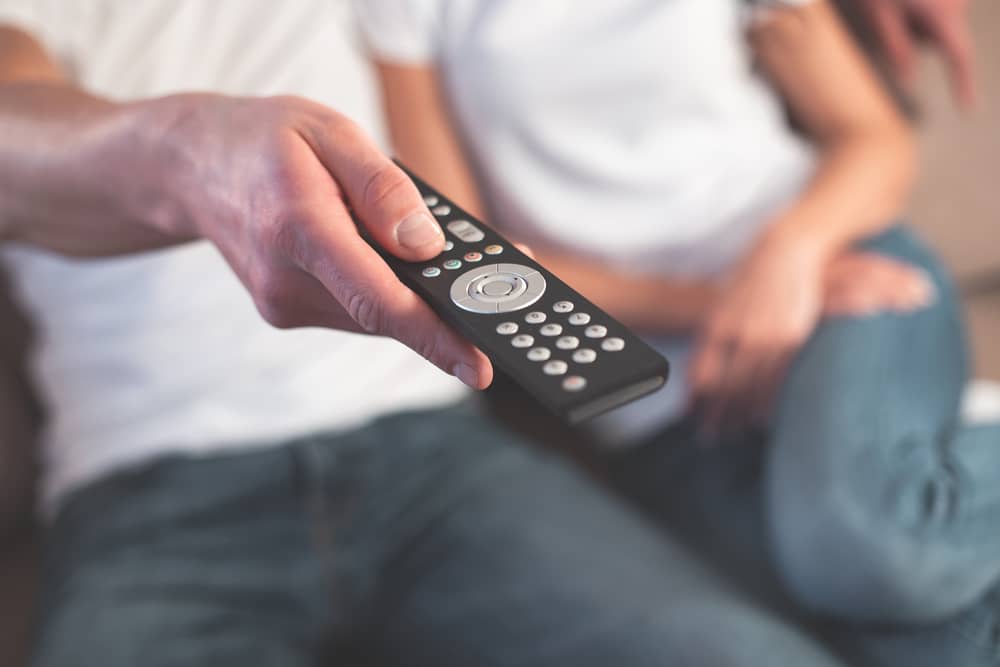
(432, 539)
(865, 507)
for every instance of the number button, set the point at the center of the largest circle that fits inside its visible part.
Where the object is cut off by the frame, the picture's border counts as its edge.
(539, 354)
(431, 200)
(579, 319)
(431, 272)
(568, 343)
(443, 209)
(562, 306)
(555, 367)
(551, 330)
(522, 340)
(613, 345)
(596, 331)
(574, 383)
(506, 328)
(535, 317)
(584, 356)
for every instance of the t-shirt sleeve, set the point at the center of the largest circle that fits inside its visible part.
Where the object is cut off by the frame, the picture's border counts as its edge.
(401, 31)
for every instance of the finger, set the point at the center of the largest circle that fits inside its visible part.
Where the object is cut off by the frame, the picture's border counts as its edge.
(954, 36)
(889, 23)
(372, 295)
(384, 198)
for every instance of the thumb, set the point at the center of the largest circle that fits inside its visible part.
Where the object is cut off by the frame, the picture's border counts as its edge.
(385, 200)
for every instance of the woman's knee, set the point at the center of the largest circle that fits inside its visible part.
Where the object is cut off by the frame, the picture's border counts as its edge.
(848, 551)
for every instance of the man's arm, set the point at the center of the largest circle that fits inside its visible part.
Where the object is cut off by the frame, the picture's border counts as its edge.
(268, 181)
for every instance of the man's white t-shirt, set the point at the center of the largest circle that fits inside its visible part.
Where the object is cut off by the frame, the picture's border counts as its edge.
(635, 132)
(142, 356)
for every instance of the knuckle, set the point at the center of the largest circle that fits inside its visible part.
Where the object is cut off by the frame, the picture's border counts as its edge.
(382, 184)
(365, 309)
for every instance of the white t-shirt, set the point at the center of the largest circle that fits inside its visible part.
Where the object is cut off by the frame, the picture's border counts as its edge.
(142, 356)
(635, 132)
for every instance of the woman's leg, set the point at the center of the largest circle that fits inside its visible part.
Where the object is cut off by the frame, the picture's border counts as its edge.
(881, 506)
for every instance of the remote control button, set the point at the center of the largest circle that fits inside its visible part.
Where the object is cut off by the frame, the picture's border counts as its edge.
(596, 331)
(555, 367)
(473, 256)
(431, 200)
(579, 319)
(584, 356)
(452, 264)
(522, 340)
(441, 210)
(613, 345)
(449, 245)
(539, 354)
(497, 288)
(551, 330)
(431, 272)
(574, 383)
(568, 343)
(535, 317)
(506, 328)
(562, 306)
(493, 249)
(466, 231)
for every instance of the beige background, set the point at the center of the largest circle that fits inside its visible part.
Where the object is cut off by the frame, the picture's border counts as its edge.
(957, 204)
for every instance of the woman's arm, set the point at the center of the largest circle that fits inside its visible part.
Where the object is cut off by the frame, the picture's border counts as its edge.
(775, 297)
(425, 139)
(866, 152)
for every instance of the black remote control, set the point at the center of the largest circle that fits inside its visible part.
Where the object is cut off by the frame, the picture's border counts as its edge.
(563, 350)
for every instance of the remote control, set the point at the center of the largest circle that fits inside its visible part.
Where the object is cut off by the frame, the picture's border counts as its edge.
(559, 347)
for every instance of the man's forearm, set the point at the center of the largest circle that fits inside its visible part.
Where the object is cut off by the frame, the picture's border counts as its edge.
(81, 175)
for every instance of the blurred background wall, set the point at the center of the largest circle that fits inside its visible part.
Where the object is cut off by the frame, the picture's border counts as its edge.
(957, 204)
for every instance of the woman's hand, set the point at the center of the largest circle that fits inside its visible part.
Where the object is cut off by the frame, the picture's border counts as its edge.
(772, 305)
(769, 308)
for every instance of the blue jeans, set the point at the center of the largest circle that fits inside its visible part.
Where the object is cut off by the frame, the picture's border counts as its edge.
(865, 504)
(431, 539)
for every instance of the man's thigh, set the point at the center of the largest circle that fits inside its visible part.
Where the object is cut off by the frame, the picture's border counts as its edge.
(183, 564)
(530, 563)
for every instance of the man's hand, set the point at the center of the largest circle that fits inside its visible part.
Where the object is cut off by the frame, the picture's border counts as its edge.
(268, 181)
(945, 23)
(771, 307)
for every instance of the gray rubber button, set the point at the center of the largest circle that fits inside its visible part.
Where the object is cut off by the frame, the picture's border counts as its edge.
(596, 331)
(584, 356)
(579, 319)
(551, 330)
(535, 317)
(431, 200)
(568, 343)
(555, 367)
(507, 328)
(539, 354)
(613, 345)
(522, 340)
(562, 306)
(443, 209)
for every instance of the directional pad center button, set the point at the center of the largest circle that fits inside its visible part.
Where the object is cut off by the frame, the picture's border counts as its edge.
(497, 288)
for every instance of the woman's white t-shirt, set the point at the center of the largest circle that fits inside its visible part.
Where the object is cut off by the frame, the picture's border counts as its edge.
(635, 132)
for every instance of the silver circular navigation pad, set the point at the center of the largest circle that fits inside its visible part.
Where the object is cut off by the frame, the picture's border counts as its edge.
(497, 288)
